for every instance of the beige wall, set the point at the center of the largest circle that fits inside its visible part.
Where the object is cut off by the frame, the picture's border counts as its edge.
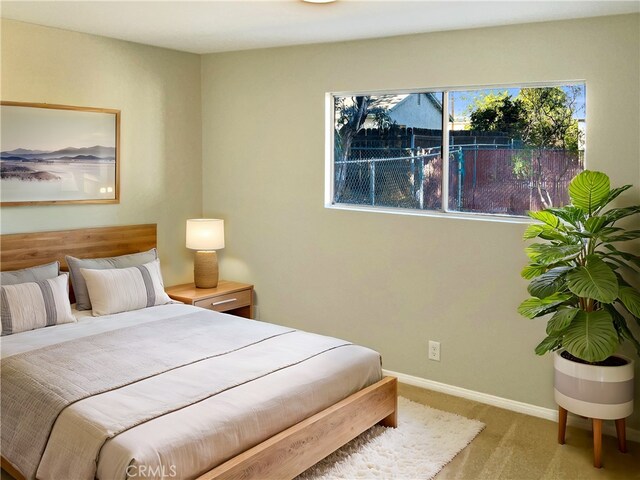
(158, 93)
(393, 282)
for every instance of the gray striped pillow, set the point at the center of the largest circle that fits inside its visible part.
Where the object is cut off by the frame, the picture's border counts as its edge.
(122, 261)
(27, 306)
(118, 290)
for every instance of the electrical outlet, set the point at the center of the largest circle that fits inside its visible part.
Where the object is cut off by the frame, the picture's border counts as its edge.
(434, 350)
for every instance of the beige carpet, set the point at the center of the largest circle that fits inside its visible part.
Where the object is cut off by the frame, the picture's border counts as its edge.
(426, 440)
(514, 446)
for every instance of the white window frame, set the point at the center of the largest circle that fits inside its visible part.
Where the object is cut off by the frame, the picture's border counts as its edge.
(329, 183)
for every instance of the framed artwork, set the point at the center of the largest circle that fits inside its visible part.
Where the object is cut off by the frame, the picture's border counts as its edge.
(58, 154)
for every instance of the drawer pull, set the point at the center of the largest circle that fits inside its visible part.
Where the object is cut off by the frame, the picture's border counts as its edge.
(222, 302)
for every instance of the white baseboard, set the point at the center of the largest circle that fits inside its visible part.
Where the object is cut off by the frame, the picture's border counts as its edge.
(507, 404)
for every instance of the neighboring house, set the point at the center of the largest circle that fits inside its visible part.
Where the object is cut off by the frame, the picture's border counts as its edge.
(418, 110)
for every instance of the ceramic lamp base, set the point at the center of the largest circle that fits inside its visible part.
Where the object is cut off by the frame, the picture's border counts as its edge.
(205, 269)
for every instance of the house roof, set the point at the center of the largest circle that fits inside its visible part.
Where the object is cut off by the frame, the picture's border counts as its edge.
(390, 102)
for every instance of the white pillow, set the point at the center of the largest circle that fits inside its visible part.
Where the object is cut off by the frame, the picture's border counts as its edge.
(118, 290)
(31, 305)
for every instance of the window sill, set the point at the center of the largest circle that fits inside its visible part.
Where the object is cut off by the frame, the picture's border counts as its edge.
(483, 217)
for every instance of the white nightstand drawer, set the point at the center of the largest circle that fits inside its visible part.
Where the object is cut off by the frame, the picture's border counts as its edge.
(222, 303)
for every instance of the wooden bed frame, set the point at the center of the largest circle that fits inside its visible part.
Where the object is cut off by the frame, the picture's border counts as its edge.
(282, 456)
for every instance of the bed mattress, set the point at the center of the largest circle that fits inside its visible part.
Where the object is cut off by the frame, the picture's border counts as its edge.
(188, 441)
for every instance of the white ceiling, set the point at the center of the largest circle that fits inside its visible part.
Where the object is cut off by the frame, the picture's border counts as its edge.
(217, 26)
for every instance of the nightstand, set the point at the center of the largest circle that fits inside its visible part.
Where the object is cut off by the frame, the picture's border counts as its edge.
(229, 297)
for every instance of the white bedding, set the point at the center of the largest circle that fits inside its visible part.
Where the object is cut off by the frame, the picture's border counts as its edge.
(86, 325)
(192, 440)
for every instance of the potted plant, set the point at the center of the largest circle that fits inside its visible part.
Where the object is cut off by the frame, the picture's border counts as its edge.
(580, 277)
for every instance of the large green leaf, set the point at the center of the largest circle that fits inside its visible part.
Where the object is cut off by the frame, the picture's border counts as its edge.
(546, 217)
(618, 262)
(544, 231)
(604, 233)
(615, 214)
(614, 263)
(533, 231)
(594, 224)
(595, 280)
(549, 233)
(621, 326)
(629, 257)
(561, 320)
(589, 190)
(570, 214)
(613, 194)
(546, 254)
(549, 344)
(533, 251)
(630, 297)
(548, 283)
(533, 270)
(535, 307)
(621, 237)
(591, 336)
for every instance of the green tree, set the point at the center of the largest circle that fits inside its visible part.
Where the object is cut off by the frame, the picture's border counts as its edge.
(350, 116)
(549, 124)
(497, 113)
(549, 117)
(542, 118)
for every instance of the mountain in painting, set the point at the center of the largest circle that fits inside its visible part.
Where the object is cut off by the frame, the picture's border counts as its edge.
(79, 157)
(97, 152)
(20, 151)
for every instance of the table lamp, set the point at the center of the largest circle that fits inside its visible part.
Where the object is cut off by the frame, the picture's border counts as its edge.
(205, 236)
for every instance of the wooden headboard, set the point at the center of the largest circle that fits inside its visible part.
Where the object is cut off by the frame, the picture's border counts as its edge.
(22, 250)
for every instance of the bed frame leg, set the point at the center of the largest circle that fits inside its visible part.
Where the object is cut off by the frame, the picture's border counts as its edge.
(391, 420)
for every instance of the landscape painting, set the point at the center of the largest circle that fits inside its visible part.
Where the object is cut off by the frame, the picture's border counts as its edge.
(53, 154)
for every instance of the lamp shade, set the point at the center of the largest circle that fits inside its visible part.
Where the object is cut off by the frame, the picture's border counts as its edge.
(205, 234)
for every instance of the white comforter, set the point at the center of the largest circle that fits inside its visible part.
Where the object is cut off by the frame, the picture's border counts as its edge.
(192, 440)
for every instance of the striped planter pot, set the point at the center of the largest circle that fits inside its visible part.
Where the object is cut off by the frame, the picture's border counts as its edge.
(594, 391)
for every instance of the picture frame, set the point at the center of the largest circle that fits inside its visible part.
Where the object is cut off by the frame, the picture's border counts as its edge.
(58, 154)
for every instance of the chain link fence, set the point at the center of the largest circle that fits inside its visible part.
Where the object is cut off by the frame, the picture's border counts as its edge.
(484, 178)
(389, 177)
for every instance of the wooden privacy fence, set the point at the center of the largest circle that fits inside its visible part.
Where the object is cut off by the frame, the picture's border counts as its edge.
(511, 181)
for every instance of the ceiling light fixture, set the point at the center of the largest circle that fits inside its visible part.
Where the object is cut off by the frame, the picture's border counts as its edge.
(318, 1)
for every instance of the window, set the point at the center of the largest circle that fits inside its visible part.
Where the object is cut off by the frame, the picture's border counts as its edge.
(508, 150)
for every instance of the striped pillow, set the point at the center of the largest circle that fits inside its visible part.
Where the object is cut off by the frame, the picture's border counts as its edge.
(27, 306)
(122, 261)
(123, 289)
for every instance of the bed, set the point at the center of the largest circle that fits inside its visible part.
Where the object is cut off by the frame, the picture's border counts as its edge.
(294, 398)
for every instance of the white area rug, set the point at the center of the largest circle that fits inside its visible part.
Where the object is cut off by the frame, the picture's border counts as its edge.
(425, 441)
